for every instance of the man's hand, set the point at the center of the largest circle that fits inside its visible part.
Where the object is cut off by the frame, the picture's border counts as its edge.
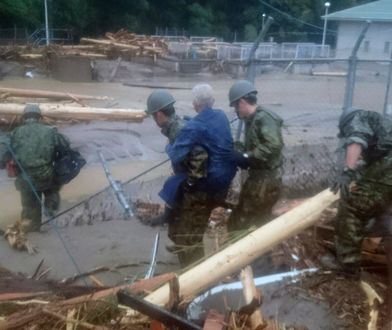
(343, 181)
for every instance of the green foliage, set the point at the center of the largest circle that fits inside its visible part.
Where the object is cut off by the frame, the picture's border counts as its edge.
(220, 18)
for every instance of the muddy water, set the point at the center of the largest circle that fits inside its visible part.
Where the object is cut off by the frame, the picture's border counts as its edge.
(89, 181)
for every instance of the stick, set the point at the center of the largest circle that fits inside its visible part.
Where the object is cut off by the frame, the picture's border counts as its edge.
(250, 294)
(76, 322)
(155, 86)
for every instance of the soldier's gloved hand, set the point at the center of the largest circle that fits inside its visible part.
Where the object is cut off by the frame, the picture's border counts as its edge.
(343, 181)
(188, 185)
(241, 159)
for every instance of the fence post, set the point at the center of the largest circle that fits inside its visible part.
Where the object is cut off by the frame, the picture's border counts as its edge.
(352, 68)
(250, 67)
(386, 100)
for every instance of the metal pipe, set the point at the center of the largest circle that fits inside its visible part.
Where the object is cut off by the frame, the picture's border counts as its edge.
(46, 22)
(350, 82)
(386, 99)
(153, 262)
(250, 72)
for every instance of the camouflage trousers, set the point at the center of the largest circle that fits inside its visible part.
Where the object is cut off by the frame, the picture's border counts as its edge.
(31, 206)
(259, 193)
(370, 198)
(188, 225)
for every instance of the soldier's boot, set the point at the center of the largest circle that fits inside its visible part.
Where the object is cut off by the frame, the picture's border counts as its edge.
(329, 261)
(161, 219)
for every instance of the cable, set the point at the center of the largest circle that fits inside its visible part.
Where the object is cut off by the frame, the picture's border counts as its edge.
(54, 225)
(294, 18)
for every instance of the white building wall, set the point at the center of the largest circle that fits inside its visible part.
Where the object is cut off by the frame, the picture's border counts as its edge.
(376, 45)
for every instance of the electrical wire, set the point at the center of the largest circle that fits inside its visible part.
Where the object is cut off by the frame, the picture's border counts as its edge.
(294, 18)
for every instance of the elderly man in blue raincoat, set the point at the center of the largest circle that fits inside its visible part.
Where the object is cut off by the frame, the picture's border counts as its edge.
(195, 198)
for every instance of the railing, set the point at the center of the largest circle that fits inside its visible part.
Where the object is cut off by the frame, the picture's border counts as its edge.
(38, 37)
(240, 51)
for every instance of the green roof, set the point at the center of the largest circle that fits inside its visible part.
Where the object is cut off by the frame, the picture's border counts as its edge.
(380, 11)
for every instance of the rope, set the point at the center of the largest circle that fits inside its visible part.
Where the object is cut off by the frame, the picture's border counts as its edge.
(54, 225)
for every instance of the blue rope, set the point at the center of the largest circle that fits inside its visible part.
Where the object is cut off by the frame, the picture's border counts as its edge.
(53, 224)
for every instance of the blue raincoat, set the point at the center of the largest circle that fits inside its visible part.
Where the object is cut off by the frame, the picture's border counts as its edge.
(210, 129)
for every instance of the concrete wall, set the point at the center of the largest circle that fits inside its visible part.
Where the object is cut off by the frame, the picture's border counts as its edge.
(375, 44)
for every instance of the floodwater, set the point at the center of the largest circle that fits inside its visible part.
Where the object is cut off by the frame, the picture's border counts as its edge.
(310, 107)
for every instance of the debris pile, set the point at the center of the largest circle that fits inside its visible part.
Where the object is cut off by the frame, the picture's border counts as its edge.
(122, 44)
(16, 235)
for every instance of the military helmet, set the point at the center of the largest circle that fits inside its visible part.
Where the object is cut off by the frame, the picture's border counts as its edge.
(240, 89)
(31, 109)
(158, 100)
(346, 115)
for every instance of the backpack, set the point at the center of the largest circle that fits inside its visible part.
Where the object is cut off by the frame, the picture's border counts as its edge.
(67, 166)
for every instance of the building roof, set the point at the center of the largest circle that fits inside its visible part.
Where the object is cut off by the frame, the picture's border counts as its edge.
(380, 11)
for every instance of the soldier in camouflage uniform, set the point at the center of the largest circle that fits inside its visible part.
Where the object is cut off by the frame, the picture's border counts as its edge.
(261, 154)
(365, 182)
(35, 146)
(194, 167)
(210, 130)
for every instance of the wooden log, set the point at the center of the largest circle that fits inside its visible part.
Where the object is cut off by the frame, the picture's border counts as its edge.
(31, 56)
(250, 294)
(63, 111)
(18, 92)
(243, 252)
(108, 43)
(137, 287)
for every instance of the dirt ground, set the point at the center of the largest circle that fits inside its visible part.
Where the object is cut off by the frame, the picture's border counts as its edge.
(310, 107)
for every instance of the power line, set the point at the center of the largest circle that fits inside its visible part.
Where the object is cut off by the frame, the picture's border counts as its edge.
(293, 18)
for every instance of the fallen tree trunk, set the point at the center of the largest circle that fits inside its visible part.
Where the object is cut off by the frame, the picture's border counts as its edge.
(62, 111)
(247, 249)
(48, 94)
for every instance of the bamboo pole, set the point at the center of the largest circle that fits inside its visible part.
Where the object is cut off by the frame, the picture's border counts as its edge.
(246, 250)
(48, 94)
(63, 111)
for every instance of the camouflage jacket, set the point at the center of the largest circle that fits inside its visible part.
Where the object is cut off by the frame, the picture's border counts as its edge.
(371, 130)
(35, 146)
(263, 140)
(195, 165)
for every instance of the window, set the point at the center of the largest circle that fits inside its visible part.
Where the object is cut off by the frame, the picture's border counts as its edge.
(387, 47)
(366, 46)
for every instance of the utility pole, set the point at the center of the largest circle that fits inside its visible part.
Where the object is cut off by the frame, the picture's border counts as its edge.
(326, 5)
(46, 22)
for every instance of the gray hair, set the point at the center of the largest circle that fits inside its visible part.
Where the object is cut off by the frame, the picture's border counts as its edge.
(203, 94)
